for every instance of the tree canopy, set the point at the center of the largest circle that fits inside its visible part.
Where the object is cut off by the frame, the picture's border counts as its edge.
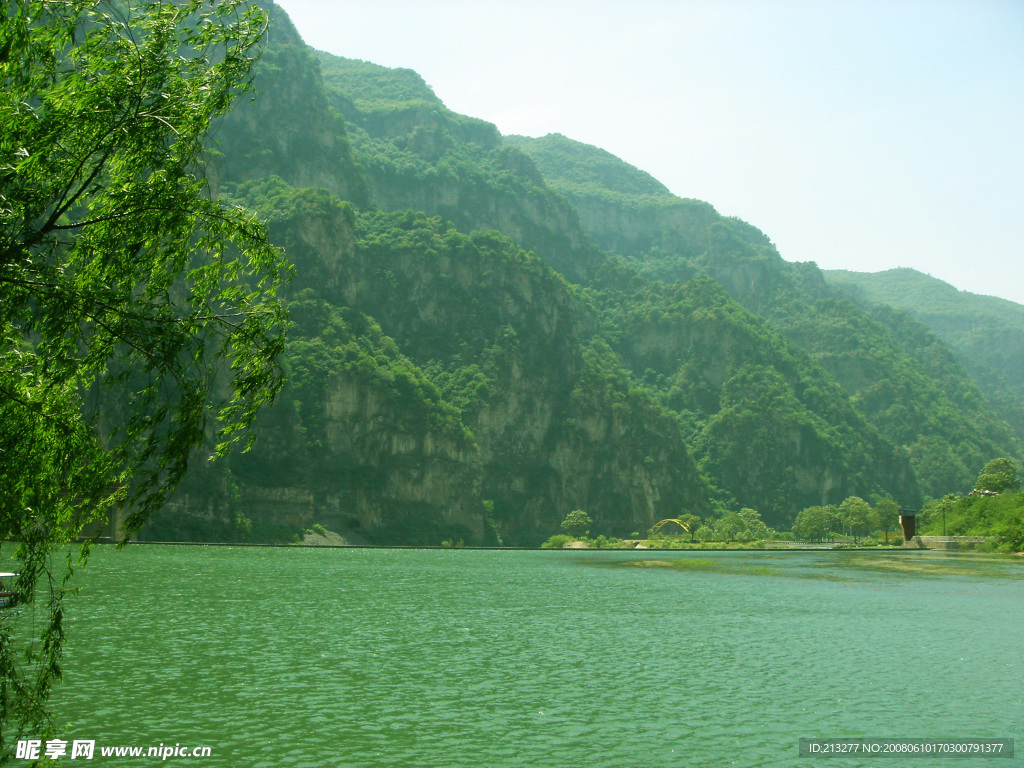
(138, 314)
(577, 523)
(998, 475)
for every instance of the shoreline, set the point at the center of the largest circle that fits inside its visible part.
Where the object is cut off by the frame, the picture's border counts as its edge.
(808, 548)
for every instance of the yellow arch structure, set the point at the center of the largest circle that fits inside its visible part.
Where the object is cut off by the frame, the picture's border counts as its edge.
(657, 526)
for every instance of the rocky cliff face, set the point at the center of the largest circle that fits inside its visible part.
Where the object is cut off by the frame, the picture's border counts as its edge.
(545, 447)
(287, 128)
(362, 441)
(388, 483)
(351, 463)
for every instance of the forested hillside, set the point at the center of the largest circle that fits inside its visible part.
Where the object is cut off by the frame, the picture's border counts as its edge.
(985, 333)
(489, 332)
(899, 376)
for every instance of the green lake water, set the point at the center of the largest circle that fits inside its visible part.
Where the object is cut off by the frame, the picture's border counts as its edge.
(376, 657)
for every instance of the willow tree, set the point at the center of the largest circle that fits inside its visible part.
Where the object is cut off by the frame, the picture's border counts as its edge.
(138, 317)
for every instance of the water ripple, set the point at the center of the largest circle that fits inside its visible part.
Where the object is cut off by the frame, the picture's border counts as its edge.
(281, 657)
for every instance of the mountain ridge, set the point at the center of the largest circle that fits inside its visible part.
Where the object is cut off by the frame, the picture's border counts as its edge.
(677, 239)
(478, 349)
(985, 333)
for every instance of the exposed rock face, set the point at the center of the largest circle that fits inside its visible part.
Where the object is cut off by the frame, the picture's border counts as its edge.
(288, 129)
(545, 446)
(545, 433)
(374, 478)
(279, 505)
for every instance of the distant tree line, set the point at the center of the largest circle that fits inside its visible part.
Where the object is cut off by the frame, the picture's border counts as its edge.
(994, 508)
(854, 517)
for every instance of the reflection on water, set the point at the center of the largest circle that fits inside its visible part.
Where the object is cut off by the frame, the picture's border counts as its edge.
(309, 657)
(841, 565)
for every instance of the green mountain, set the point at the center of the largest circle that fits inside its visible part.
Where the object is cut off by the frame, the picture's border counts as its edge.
(898, 374)
(985, 333)
(492, 331)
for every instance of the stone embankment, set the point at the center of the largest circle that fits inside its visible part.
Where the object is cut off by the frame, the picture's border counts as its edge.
(952, 543)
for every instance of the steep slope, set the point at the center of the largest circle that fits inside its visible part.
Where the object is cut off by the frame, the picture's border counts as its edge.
(512, 345)
(474, 355)
(985, 333)
(417, 154)
(486, 412)
(397, 111)
(927, 405)
(769, 425)
(288, 129)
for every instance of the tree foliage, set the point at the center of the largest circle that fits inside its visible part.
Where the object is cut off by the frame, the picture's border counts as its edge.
(998, 475)
(985, 333)
(856, 516)
(896, 374)
(137, 314)
(887, 515)
(812, 524)
(998, 515)
(691, 522)
(577, 523)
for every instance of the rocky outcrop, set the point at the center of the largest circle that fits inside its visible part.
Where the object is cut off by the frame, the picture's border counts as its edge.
(287, 129)
(362, 443)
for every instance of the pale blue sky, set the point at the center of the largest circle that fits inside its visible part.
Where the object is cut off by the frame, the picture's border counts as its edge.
(861, 135)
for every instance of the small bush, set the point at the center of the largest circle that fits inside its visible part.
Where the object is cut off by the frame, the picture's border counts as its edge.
(556, 542)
